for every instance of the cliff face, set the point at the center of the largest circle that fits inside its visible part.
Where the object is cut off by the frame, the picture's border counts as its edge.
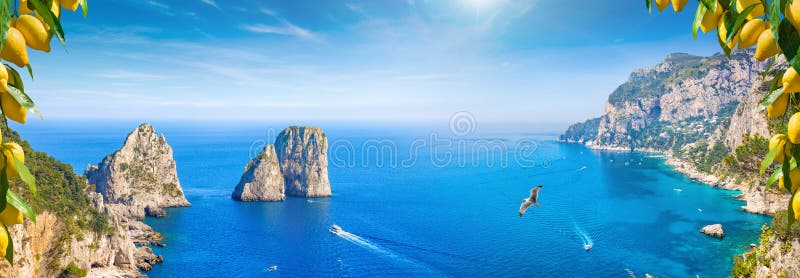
(675, 102)
(262, 179)
(141, 175)
(75, 232)
(303, 156)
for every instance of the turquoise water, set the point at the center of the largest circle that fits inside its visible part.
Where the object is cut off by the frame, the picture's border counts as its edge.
(433, 215)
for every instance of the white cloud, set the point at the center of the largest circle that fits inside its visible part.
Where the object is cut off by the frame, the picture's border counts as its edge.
(211, 3)
(355, 7)
(288, 29)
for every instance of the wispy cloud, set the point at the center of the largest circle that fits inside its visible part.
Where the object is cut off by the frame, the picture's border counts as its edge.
(161, 7)
(210, 2)
(355, 7)
(424, 77)
(288, 29)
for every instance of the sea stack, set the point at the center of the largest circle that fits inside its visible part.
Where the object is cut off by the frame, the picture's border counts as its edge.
(303, 156)
(141, 175)
(262, 179)
(714, 230)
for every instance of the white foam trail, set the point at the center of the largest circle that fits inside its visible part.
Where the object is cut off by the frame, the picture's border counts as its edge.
(587, 241)
(366, 244)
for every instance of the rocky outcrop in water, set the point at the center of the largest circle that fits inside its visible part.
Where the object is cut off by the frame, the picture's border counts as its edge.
(303, 157)
(262, 179)
(141, 175)
(714, 230)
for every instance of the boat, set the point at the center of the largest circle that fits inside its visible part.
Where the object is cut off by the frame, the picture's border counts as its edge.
(336, 229)
(273, 268)
(587, 247)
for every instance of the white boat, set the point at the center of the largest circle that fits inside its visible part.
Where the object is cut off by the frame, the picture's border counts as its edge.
(587, 247)
(336, 229)
(273, 268)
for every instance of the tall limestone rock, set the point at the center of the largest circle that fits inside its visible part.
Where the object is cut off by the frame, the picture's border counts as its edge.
(262, 179)
(303, 156)
(141, 175)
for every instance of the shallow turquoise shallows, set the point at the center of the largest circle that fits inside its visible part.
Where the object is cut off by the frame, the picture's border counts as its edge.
(428, 216)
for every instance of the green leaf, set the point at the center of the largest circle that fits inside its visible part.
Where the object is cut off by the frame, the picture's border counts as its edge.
(14, 78)
(10, 248)
(773, 178)
(25, 175)
(773, 11)
(769, 68)
(785, 168)
(5, 12)
(23, 99)
(767, 161)
(740, 19)
(649, 4)
(724, 47)
(30, 70)
(3, 185)
(710, 5)
(789, 43)
(49, 18)
(770, 98)
(85, 7)
(18, 203)
(790, 211)
(698, 19)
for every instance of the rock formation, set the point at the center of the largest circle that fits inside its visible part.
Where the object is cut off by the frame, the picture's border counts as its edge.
(714, 230)
(303, 156)
(262, 179)
(141, 175)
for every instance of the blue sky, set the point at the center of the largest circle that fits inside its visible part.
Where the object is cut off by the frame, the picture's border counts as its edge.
(527, 62)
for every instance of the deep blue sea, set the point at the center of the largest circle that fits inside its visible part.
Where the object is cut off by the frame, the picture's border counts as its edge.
(415, 201)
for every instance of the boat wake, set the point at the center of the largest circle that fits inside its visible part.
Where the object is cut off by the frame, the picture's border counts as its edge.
(587, 241)
(375, 248)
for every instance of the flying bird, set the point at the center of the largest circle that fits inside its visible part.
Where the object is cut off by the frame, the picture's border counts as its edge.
(530, 200)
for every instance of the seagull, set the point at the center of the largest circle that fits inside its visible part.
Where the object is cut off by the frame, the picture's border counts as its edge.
(530, 200)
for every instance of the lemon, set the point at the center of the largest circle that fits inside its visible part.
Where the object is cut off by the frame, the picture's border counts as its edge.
(756, 12)
(71, 5)
(710, 19)
(14, 49)
(794, 128)
(766, 45)
(751, 31)
(778, 141)
(678, 5)
(12, 109)
(794, 175)
(3, 79)
(778, 107)
(3, 240)
(796, 206)
(12, 151)
(792, 14)
(791, 82)
(722, 31)
(34, 32)
(661, 4)
(23, 7)
(11, 215)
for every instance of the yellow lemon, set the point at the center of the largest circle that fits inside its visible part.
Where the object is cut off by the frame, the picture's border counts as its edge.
(34, 32)
(14, 49)
(756, 12)
(750, 32)
(766, 45)
(71, 5)
(778, 107)
(722, 32)
(3, 79)
(794, 128)
(710, 19)
(11, 215)
(796, 206)
(3, 240)
(12, 151)
(778, 141)
(12, 109)
(794, 175)
(661, 4)
(23, 7)
(678, 5)
(792, 14)
(791, 82)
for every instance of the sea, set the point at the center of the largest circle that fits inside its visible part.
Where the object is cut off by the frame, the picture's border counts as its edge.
(427, 201)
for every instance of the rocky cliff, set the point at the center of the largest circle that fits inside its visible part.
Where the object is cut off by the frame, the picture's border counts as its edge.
(303, 156)
(262, 179)
(141, 175)
(75, 233)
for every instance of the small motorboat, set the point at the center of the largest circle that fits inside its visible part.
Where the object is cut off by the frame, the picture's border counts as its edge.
(587, 247)
(336, 229)
(273, 268)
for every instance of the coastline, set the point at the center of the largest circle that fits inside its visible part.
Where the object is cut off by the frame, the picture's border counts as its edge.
(757, 199)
